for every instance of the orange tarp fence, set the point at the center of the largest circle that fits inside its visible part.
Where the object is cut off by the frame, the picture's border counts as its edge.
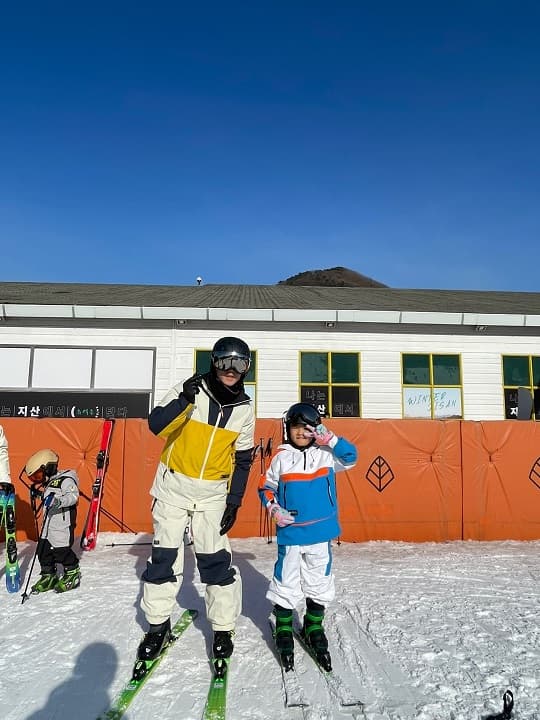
(501, 480)
(415, 480)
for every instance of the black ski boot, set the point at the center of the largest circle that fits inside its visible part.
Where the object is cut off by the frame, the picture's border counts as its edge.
(154, 641)
(223, 644)
(313, 634)
(222, 650)
(283, 636)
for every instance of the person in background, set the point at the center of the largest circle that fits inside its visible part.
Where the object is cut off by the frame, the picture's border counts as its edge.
(207, 423)
(5, 476)
(299, 493)
(59, 491)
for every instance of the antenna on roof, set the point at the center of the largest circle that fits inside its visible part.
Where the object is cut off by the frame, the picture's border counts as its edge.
(199, 280)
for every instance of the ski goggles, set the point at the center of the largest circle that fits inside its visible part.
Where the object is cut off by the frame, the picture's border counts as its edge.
(232, 362)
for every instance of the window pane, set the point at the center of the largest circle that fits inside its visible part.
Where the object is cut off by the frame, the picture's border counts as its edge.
(252, 372)
(516, 370)
(446, 370)
(202, 361)
(416, 403)
(511, 404)
(416, 370)
(344, 368)
(315, 395)
(313, 367)
(447, 403)
(346, 401)
(536, 371)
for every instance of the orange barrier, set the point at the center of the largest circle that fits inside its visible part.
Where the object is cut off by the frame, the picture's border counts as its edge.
(501, 480)
(407, 481)
(415, 480)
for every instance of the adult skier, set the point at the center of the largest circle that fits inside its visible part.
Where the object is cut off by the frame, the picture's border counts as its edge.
(60, 494)
(207, 423)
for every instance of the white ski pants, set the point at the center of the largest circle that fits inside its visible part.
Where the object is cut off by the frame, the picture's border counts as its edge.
(302, 571)
(223, 594)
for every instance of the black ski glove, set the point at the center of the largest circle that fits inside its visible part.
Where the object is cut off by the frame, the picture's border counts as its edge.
(229, 518)
(191, 387)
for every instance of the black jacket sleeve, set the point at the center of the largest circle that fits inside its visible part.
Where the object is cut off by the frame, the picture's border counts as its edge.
(242, 466)
(161, 416)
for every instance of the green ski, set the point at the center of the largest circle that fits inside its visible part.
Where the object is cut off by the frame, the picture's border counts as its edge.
(216, 701)
(143, 669)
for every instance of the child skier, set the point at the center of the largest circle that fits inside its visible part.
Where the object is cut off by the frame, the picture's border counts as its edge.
(60, 494)
(299, 493)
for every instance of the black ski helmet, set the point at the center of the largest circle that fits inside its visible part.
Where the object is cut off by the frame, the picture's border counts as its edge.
(233, 352)
(301, 414)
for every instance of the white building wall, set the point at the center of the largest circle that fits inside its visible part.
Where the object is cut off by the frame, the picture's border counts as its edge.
(278, 360)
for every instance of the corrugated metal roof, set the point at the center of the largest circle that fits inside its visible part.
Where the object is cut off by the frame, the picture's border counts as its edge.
(270, 296)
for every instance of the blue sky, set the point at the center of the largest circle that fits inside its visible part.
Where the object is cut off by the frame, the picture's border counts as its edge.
(246, 142)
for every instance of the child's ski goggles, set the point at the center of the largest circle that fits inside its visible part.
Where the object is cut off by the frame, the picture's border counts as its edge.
(231, 362)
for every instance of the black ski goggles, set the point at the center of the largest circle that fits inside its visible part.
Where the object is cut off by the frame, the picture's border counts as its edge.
(232, 362)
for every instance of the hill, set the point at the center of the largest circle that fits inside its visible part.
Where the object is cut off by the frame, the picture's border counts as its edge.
(332, 277)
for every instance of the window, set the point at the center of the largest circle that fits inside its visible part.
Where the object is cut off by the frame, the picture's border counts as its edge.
(331, 382)
(76, 382)
(520, 371)
(431, 386)
(202, 365)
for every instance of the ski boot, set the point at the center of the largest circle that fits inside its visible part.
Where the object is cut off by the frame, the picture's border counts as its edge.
(313, 634)
(157, 637)
(70, 580)
(283, 636)
(222, 650)
(47, 581)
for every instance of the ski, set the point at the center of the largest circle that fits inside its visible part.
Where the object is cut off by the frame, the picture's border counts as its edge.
(91, 527)
(216, 700)
(143, 669)
(336, 685)
(7, 515)
(292, 688)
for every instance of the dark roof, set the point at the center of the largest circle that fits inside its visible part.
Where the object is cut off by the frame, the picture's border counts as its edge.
(271, 296)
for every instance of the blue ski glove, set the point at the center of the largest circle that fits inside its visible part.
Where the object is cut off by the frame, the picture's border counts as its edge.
(52, 502)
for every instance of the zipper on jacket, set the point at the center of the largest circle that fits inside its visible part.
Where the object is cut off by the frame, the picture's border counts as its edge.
(211, 442)
(329, 492)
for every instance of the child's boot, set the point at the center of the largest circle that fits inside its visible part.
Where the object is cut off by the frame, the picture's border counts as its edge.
(283, 636)
(314, 635)
(47, 581)
(70, 580)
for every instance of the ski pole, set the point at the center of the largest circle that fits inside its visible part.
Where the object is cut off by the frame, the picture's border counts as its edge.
(134, 543)
(25, 594)
(268, 454)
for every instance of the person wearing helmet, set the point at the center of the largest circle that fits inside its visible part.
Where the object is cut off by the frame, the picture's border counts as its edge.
(299, 493)
(59, 492)
(207, 423)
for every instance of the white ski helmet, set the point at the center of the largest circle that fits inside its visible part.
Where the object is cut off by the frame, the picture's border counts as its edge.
(46, 460)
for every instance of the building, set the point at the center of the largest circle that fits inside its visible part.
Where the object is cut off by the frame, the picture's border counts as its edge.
(87, 350)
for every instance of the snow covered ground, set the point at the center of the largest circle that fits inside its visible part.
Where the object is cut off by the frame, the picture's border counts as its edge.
(419, 631)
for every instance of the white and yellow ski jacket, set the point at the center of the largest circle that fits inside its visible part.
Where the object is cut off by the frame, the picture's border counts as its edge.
(208, 447)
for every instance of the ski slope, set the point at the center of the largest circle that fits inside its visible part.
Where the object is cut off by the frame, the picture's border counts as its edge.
(419, 631)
